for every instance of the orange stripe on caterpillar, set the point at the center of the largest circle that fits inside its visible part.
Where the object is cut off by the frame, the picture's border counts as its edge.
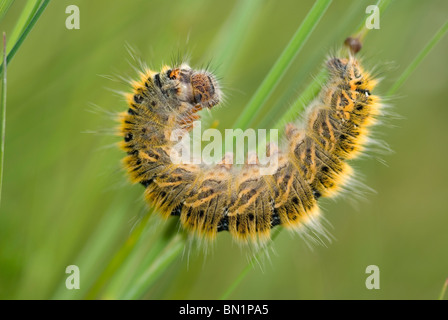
(210, 199)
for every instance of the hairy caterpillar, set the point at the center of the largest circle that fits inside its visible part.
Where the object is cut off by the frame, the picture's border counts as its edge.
(210, 199)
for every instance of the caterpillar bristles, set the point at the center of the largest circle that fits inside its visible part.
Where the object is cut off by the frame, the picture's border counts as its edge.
(209, 198)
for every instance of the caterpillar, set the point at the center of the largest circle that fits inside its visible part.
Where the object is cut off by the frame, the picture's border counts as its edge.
(213, 198)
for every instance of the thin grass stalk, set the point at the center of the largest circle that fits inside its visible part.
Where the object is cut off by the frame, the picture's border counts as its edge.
(4, 7)
(442, 293)
(124, 251)
(147, 250)
(283, 104)
(248, 267)
(3, 115)
(418, 59)
(27, 14)
(282, 64)
(156, 268)
(25, 33)
(232, 33)
(362, 31)
(311, 91)
(308, 94)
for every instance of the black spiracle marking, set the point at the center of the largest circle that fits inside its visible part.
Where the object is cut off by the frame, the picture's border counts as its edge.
(317, 194)
(275, 219)
(177, 211)
(128, 137)
(157, 81)
(363, 91)
(223, 225)
(138, 98)
(146, 183)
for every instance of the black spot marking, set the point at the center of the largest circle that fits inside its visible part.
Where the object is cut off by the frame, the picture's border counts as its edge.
(275, 219)
(138, 98)
(366, 92)
(176, 211)
(132, 112)
(189, 212)
(336, 63)
(197, 98)
(128, 137)
(251, 217)
(157, 81)
(316, 194)
(146, 183)
(212, 87)
(223, 225)
(136, 168)
(344, 101)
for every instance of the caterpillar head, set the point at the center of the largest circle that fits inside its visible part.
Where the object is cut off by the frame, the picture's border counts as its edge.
(197, 87)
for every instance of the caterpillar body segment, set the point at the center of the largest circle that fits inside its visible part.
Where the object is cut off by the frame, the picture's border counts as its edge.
(209, 199)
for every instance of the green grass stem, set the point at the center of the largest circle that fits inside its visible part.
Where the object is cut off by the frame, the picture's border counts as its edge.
(3, 115)
(282, 64)
(29, 26)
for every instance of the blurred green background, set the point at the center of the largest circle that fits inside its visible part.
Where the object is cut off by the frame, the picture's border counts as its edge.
(66, 200)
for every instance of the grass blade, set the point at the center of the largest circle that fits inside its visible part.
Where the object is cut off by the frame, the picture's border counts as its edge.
(313, 88)
(25, 32)
(3, 115)
(416, 62)
(4, 7)
(233, 31)
(306, 97)
(118, 259)
(283, 62)
(156, 268)
(362, 30)
(26, 15)
(442, 293)
(248, 267)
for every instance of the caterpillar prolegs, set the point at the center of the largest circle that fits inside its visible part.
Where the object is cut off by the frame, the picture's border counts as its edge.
(210, 199)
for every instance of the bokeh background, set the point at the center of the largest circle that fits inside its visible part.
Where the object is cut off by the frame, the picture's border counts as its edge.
(67, 201)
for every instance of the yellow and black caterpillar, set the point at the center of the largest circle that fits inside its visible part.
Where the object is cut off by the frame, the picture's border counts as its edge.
(210, 199)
